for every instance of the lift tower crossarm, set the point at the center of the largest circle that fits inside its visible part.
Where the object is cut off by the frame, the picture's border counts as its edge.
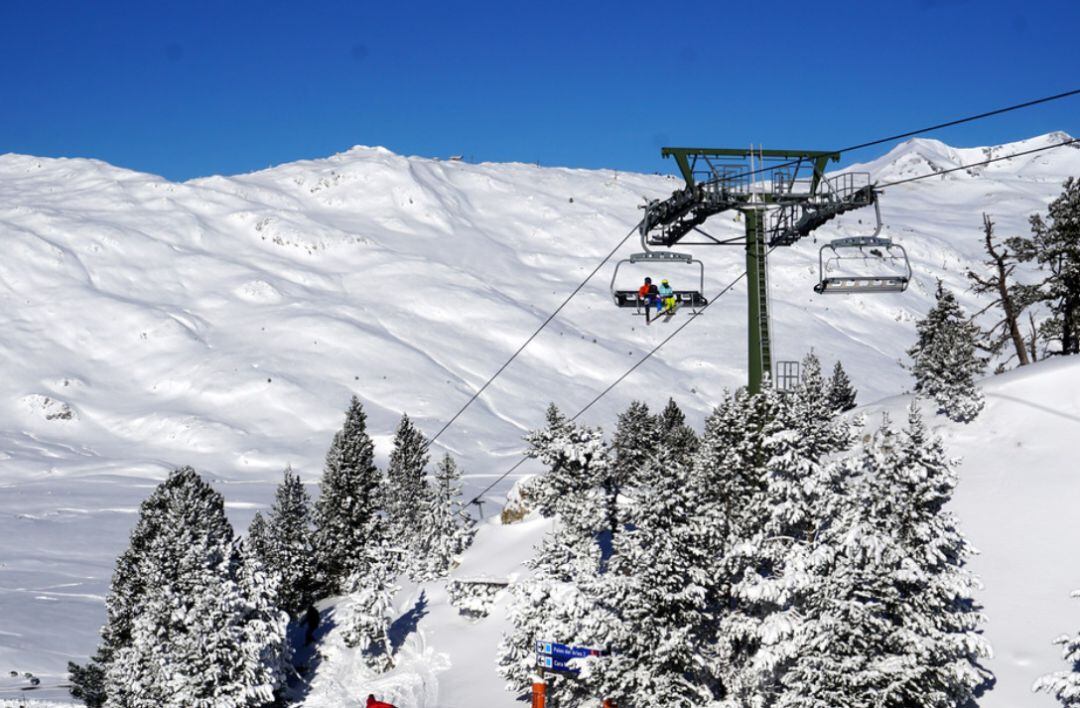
(780, 203)
(687, 158)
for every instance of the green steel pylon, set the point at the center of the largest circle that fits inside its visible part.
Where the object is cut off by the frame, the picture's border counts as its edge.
(759, 354)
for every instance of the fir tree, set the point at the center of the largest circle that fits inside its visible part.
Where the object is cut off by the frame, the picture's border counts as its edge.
(127, 593)
(632, 446)
(889, 619)
(730, 482)
(406, 495)
(368, 609)
(258, 539)
(945, 363)
(841, 393)
(447, 530)
(551, 606)
(679, 439)
(204, 629)
(1064, 685)
(259, 631)
(1055, 246)
(88, 682)
(577, 461)
(801, 491)
(284, 545)
(345, 514)
(543, 609)
(650, 606)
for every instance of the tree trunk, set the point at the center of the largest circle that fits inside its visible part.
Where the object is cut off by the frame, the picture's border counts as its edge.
(1033, 343)
(1069, 342)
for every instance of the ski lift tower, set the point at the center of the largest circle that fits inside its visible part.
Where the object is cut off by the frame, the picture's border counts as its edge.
(783, 196)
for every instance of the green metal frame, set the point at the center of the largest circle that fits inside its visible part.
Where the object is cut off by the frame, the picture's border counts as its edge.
(759, 357)
(686, 158)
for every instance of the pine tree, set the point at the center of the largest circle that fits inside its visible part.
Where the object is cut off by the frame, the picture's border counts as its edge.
(679, 439)
(284, 544)
(543, 609)
(1055, 246)
(203, 629)
(650, 607)
(632, 446)
(258, 539)
(1064, 685)
(577, 462)
(88, 682)
(551, 606)
(368, 610)
(945, 363)
(260, 628)
(346, 519)
(841, 393)
(801, 491)
(889, 619)
(447, 530)
(127, 593)
(406, 494)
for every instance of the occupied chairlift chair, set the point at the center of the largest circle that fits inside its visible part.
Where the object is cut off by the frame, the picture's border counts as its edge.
(695, 299)
(864, 248)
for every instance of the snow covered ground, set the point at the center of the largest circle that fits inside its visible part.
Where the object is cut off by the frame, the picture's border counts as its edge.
(224, 322)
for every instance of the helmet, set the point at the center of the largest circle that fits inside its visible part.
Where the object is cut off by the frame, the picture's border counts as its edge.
(648, 279)
(664, 281)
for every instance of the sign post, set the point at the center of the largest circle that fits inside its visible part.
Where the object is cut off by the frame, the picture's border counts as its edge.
(539, 692)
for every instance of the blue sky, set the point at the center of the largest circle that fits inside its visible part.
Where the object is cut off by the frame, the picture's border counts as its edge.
(185, 89)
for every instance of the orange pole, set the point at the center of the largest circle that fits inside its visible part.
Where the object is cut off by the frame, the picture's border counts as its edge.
(608, 703)
(539, 694)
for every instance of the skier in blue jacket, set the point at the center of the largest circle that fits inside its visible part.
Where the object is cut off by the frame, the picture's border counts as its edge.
(666, 299)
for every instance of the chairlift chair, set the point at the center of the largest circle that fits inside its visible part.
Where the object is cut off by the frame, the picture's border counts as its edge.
(873, 249)
(695, 299)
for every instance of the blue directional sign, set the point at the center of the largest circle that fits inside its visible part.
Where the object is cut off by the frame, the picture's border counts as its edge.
(556, 657)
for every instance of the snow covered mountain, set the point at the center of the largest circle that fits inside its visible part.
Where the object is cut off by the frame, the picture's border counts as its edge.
(224, 322)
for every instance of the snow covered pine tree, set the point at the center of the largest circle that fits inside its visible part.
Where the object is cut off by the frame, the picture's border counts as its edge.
(406, 494)
(191, 622)
(284, 544)
(447, 530)
(890, 619)
(649, 607)
(841, 393)
(800, 489)
(1064, 685)
(944, 361)
(346, 520)
(634, 442)
(550, 606)
(368, 607)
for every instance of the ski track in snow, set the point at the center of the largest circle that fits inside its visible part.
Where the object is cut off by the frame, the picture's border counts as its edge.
(224, 322)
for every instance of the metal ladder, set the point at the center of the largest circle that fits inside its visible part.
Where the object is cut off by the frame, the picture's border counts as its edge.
(761, 258)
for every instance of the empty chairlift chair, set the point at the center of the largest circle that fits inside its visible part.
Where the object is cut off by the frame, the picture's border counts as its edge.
(694, 299)
(872, 253)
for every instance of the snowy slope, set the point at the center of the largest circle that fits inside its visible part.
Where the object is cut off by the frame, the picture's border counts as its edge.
(224, 322)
